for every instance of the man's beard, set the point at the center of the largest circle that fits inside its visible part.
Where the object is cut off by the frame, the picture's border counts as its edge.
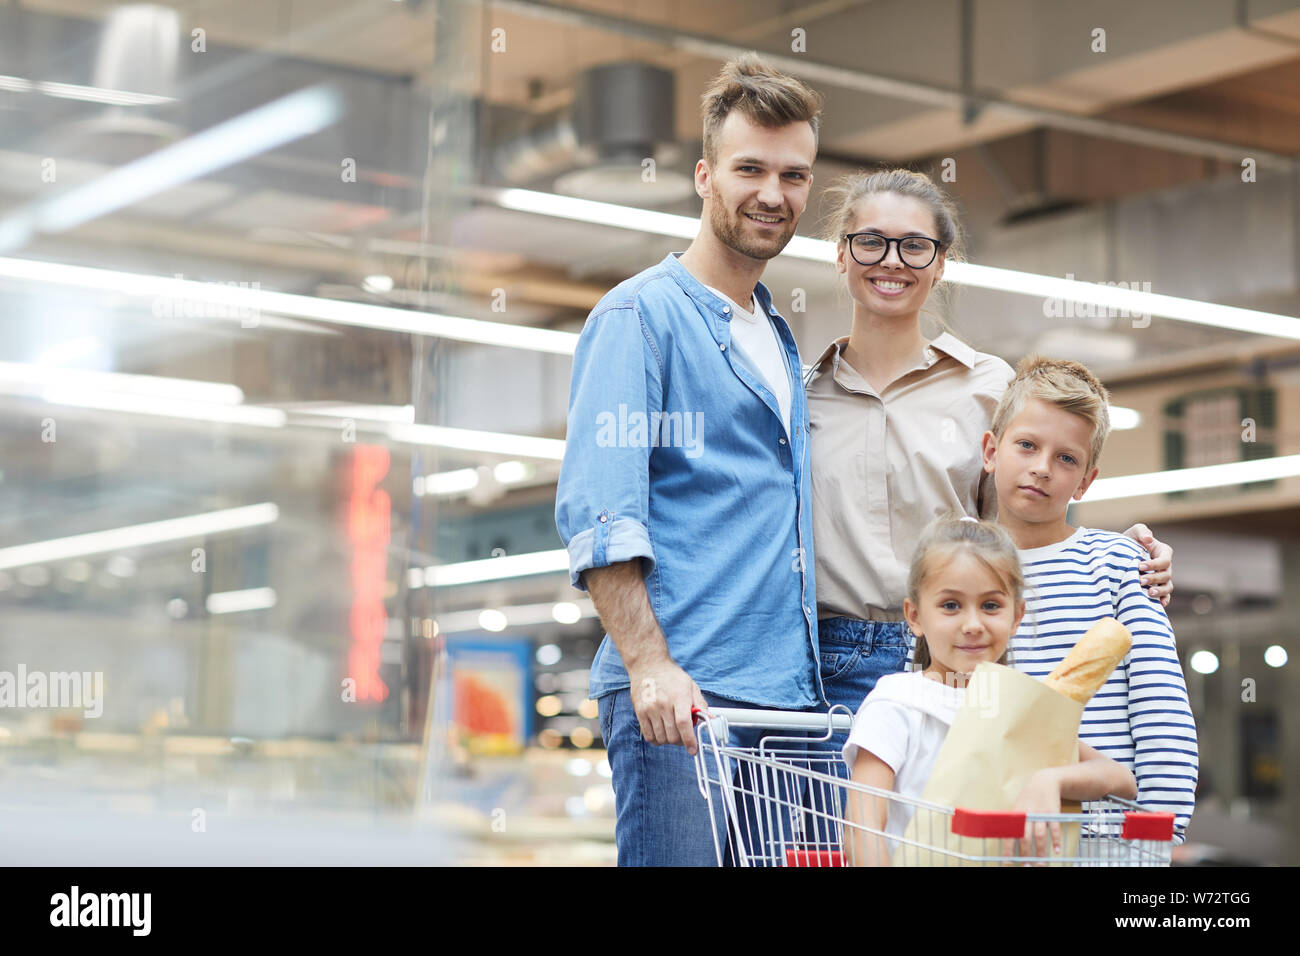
(730, 233)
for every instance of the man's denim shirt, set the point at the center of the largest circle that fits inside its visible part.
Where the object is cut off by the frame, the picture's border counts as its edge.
(676, 454)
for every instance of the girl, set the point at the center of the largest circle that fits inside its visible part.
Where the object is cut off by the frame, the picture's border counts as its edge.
(964, 601)
(896, 422)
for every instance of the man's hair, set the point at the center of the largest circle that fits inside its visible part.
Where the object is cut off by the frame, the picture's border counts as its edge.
(1067, 385)
(768, 97)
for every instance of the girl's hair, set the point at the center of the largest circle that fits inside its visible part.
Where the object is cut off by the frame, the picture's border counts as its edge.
(949, 536)
(840, 203)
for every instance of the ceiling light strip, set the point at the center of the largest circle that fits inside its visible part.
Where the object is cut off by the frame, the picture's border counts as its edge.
(1132, 302)
(1189, 479)
(134, 536)
(254, 301)
(493, 569)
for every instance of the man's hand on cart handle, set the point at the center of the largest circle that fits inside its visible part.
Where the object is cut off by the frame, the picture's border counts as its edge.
(663, 696)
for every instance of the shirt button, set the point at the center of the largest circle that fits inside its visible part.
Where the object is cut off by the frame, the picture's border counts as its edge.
(726, 310)
(603, 518)
(781, 440)
(723, 347)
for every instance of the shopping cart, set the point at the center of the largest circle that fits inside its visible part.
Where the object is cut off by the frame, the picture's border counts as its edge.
(782, 803)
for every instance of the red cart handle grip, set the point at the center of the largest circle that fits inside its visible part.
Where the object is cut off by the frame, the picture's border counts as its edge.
(1148, 826)
(988, 823)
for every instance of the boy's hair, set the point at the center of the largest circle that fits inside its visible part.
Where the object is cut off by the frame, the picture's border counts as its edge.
(950, 535)
(768, 97)
(1067, 385)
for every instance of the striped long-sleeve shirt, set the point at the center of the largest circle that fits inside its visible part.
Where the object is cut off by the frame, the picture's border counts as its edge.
(1141, 716)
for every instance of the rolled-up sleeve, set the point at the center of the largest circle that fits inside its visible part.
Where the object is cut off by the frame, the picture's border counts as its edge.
(602, 502)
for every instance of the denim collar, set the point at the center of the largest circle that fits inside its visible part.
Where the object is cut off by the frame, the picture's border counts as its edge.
(705, 299)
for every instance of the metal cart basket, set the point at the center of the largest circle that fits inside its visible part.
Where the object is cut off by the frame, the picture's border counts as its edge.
(784, 802)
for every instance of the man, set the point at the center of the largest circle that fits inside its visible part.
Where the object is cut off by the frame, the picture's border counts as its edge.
(683, 497)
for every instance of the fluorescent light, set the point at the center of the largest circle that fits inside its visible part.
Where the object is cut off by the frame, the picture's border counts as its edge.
(251, 599)
(448, 482)
(511, 472)
(120, 566)
(1187, 479)
(518, 615)
(172, 408)
(1275, 655)
(505, 335)
(139, 535)
(137, 394)
(603, 213)
(493, 569)
(180, 389)
(464, 439)
(461, 480)
(366, 413)
(377, 283)
(90, 94)
(1123, 419)
(1132, 301)
(1204, 662)
(566, 612)
(492, 620)
(335, 311)
(281, 121)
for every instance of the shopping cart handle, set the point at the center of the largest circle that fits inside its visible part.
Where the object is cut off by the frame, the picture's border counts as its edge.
(995, 824)
(1148, 826)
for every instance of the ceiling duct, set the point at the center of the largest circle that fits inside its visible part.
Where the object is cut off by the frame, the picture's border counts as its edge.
(139, 50)
(622, 117)
(543, 151)
(138, 53)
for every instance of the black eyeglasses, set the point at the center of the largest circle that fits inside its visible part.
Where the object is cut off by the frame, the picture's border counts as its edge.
(868, 248)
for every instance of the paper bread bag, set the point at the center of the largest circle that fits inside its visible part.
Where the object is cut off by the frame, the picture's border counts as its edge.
(1009, 726)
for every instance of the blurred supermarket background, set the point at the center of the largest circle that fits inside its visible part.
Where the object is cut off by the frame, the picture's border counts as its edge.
(288, 290)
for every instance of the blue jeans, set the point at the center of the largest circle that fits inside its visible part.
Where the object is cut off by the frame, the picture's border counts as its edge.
(662, 818)
(854, 655)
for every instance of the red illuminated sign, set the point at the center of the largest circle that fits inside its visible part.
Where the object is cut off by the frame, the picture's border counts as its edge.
(369, 511)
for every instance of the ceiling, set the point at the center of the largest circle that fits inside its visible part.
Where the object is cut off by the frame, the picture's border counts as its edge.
(286, 220)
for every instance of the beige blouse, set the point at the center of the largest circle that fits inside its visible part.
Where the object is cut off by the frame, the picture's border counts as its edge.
(884, 466)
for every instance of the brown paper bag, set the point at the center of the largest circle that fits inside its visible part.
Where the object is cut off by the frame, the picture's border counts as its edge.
(1009, 726)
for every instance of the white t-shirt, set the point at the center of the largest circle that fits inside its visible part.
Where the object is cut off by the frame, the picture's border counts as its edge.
(753, 334)
(904, 721)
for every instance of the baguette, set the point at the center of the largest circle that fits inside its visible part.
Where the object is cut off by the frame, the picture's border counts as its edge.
(1091, 661)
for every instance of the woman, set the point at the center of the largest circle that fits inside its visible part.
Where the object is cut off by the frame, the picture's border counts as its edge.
(896, 423)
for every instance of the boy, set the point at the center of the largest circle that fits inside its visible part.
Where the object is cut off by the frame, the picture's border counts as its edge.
(1046, 439)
